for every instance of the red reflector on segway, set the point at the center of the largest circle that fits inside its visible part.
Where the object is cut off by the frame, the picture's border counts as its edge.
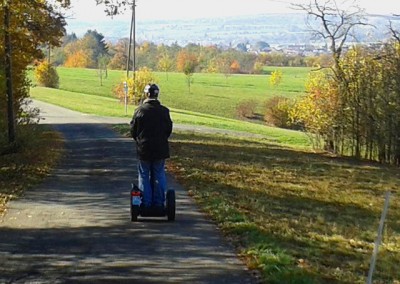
(135, 193)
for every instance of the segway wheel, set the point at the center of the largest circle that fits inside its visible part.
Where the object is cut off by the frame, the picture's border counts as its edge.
(134, 213)
(171, 205)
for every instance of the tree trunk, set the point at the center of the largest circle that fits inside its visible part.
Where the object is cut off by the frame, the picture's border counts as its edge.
(8, 73)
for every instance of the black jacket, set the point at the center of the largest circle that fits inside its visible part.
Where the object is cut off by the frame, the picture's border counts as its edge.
(151, 127)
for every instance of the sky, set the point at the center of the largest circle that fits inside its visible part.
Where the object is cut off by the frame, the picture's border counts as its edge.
(86, 10)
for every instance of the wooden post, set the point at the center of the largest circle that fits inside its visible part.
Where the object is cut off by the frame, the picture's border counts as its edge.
(378, 239)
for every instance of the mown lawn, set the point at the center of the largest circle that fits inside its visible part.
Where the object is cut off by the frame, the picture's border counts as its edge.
(297, 216)
(213, 94)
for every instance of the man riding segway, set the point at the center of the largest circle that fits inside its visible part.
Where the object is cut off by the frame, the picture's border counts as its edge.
(151, 126)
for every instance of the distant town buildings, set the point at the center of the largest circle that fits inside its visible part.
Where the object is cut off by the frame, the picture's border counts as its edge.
(266, 33)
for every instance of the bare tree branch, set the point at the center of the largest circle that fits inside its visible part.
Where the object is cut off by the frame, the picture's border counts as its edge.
(394, 32)
(115, 7)
(332, 22)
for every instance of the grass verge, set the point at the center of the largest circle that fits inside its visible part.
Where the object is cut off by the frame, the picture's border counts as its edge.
(296, 216)
(39, 150)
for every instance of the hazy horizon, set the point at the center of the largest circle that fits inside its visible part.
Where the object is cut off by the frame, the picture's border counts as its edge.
(86, 10)
(85, 15)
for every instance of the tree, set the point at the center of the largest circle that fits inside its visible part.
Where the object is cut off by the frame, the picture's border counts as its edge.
(114, 7)
(187, 62)
(362, 120)
(147, 55)
(58, 56)
(87, 51)
(165, 64)
(235, 67)
(8, 75)
(318, 109)
(359, 100)
(93, 43)
(79, 59)
(276, 78)
(212, 66)
(27, 26)
(241, 47)
(103, 61)
(246, 61)
(224, 63)
(275, 59)
(387, 102)
(258, 67)
(261, 46)
(143, 77)
(46, 75)
(277, 111)
(332, 23)
(69, 38)
(118, 53)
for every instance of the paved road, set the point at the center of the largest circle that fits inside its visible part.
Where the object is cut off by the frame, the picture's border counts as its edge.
(75, 227)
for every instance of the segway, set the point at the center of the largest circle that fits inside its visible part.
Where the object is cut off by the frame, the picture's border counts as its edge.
(137, 208)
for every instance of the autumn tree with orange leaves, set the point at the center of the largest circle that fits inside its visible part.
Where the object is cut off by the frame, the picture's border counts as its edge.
(235, 67)
(187, 62)
(26, 26)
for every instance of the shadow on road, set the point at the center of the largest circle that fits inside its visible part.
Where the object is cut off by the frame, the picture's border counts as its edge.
(75, 227)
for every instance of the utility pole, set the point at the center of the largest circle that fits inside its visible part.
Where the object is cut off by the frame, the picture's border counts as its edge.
(49, 54)
(134, 37)
(130, 40)
(134, 45)
(131, 37)
(8, 71)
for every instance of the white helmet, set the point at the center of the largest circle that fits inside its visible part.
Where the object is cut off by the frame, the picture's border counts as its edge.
(152, 90)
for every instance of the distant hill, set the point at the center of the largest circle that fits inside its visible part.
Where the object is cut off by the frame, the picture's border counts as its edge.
(271, 28)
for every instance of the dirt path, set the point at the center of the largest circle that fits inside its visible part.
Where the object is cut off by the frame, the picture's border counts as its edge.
(75, 227)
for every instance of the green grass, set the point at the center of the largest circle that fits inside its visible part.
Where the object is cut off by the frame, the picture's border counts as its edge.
(218, 95)
(210, 93)
(296, 216)
(105, 106)
(212, 101)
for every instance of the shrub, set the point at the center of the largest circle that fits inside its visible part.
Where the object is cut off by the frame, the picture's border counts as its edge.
(277, 111)
(258, 67)
(276, 78)
(246, 109)
(143, 77)
(46, 75)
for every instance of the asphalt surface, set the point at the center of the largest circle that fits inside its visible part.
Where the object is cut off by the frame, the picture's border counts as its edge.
(75, 227)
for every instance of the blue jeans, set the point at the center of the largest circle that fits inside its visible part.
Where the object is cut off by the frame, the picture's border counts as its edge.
(152, 174)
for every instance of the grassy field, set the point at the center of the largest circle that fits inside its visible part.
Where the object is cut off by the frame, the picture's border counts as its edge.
(212, 101)
(210, 93)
